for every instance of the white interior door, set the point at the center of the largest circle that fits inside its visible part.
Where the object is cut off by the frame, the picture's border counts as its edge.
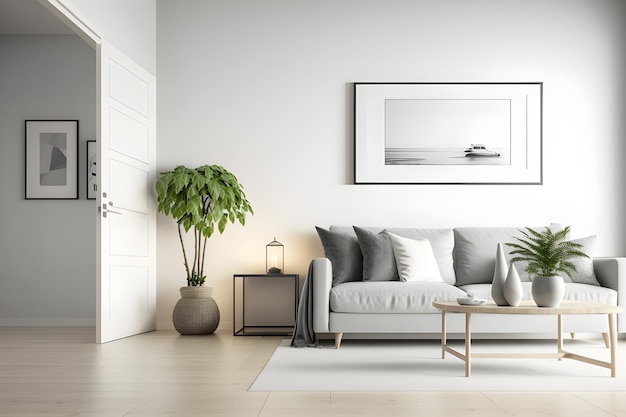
(126, 260)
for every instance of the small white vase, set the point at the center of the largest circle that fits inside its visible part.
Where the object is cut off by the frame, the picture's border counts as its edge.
(513, 290)
(548, 291)
(499, 276)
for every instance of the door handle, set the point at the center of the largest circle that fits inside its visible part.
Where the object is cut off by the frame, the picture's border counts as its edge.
(112, 211)
(105, 210)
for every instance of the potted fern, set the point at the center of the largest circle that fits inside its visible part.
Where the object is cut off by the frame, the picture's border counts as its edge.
(546, 254)
(203, 200)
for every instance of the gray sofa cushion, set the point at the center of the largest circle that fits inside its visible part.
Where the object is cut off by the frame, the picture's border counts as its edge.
(475, 252)
(391, 297)
(344, 254)
(573, 292)
(379, 263)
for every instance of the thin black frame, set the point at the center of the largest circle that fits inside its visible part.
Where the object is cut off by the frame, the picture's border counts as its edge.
(88, 172)
(537, 120)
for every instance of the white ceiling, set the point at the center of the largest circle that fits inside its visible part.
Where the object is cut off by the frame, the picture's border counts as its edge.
(28, 17)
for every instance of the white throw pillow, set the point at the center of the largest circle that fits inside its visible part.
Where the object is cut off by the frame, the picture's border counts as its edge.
(415, 259)
(585, 273)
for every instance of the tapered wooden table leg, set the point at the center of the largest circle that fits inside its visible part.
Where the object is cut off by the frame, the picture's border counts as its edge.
(559, 336)
(613, 347)
(443, 335)
(468, 344)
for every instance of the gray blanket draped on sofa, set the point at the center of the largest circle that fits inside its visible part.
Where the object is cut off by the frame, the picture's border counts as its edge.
(303, 333)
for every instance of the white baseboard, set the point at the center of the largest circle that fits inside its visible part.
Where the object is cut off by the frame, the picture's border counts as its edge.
(47, 322)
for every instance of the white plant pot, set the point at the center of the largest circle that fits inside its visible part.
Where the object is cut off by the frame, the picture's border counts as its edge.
(548, 291)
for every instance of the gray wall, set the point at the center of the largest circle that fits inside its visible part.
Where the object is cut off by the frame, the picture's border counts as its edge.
(47, 260)
(264, 88)
(47, 255)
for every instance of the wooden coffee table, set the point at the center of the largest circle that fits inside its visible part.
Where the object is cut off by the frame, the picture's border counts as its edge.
(529, 308)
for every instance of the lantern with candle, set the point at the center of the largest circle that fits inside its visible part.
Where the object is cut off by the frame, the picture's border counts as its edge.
(274, 257)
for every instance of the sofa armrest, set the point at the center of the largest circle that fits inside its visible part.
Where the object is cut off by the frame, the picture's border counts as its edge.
(611, 273)
(322, 281)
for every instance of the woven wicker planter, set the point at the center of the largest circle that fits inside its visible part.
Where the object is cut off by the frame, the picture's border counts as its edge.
(196, 312)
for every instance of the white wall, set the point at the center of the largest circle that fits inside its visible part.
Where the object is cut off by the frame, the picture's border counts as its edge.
(130, 26)
(47, 274)
(264, 88)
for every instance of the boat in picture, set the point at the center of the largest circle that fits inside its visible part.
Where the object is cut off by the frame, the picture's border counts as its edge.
(477, 149)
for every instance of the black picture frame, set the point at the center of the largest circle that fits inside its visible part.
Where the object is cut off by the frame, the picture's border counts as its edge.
(91, 172)
(425, 133)
(51, 159)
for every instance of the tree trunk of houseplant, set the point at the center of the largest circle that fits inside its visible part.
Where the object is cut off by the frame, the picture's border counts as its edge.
(196, 312)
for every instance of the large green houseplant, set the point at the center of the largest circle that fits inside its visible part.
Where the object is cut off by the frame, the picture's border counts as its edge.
(546, 254)
(203, 200)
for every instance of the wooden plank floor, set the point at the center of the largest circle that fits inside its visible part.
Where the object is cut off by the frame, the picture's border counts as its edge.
(57, 372)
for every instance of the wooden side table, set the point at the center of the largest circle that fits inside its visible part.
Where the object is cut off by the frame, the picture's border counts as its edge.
(273, 295)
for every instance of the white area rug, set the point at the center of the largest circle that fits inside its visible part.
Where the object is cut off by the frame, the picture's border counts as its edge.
(392, 365)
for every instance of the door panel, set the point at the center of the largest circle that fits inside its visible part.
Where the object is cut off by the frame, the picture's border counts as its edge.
(129, 136)
(132, 186)
(128, 87)
(128, 235)
(128, 289)
(126, 284)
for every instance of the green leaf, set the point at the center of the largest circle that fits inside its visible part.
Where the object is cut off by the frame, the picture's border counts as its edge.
(222, 224)
(547, 252)
(204, 199)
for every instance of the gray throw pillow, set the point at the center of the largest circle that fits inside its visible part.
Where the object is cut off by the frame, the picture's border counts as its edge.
(475, 251)
(379, 263)
(344, 254)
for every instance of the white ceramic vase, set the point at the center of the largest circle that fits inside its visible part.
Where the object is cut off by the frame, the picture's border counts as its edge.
(548, 291)
(499, 276)
(513, 289)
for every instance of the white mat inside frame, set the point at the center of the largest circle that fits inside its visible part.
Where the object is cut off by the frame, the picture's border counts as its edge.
(384, 365)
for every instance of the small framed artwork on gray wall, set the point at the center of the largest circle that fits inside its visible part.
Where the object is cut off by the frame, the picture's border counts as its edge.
(92, 172)
(51, 165)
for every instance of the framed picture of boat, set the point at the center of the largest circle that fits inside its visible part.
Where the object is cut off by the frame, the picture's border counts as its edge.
(448, 133)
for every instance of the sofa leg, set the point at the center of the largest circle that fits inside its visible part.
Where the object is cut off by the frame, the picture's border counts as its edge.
(573, 335)
(607, 340)
(338, 337)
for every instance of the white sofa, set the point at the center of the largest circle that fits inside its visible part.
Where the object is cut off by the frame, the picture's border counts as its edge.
(365, 307)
